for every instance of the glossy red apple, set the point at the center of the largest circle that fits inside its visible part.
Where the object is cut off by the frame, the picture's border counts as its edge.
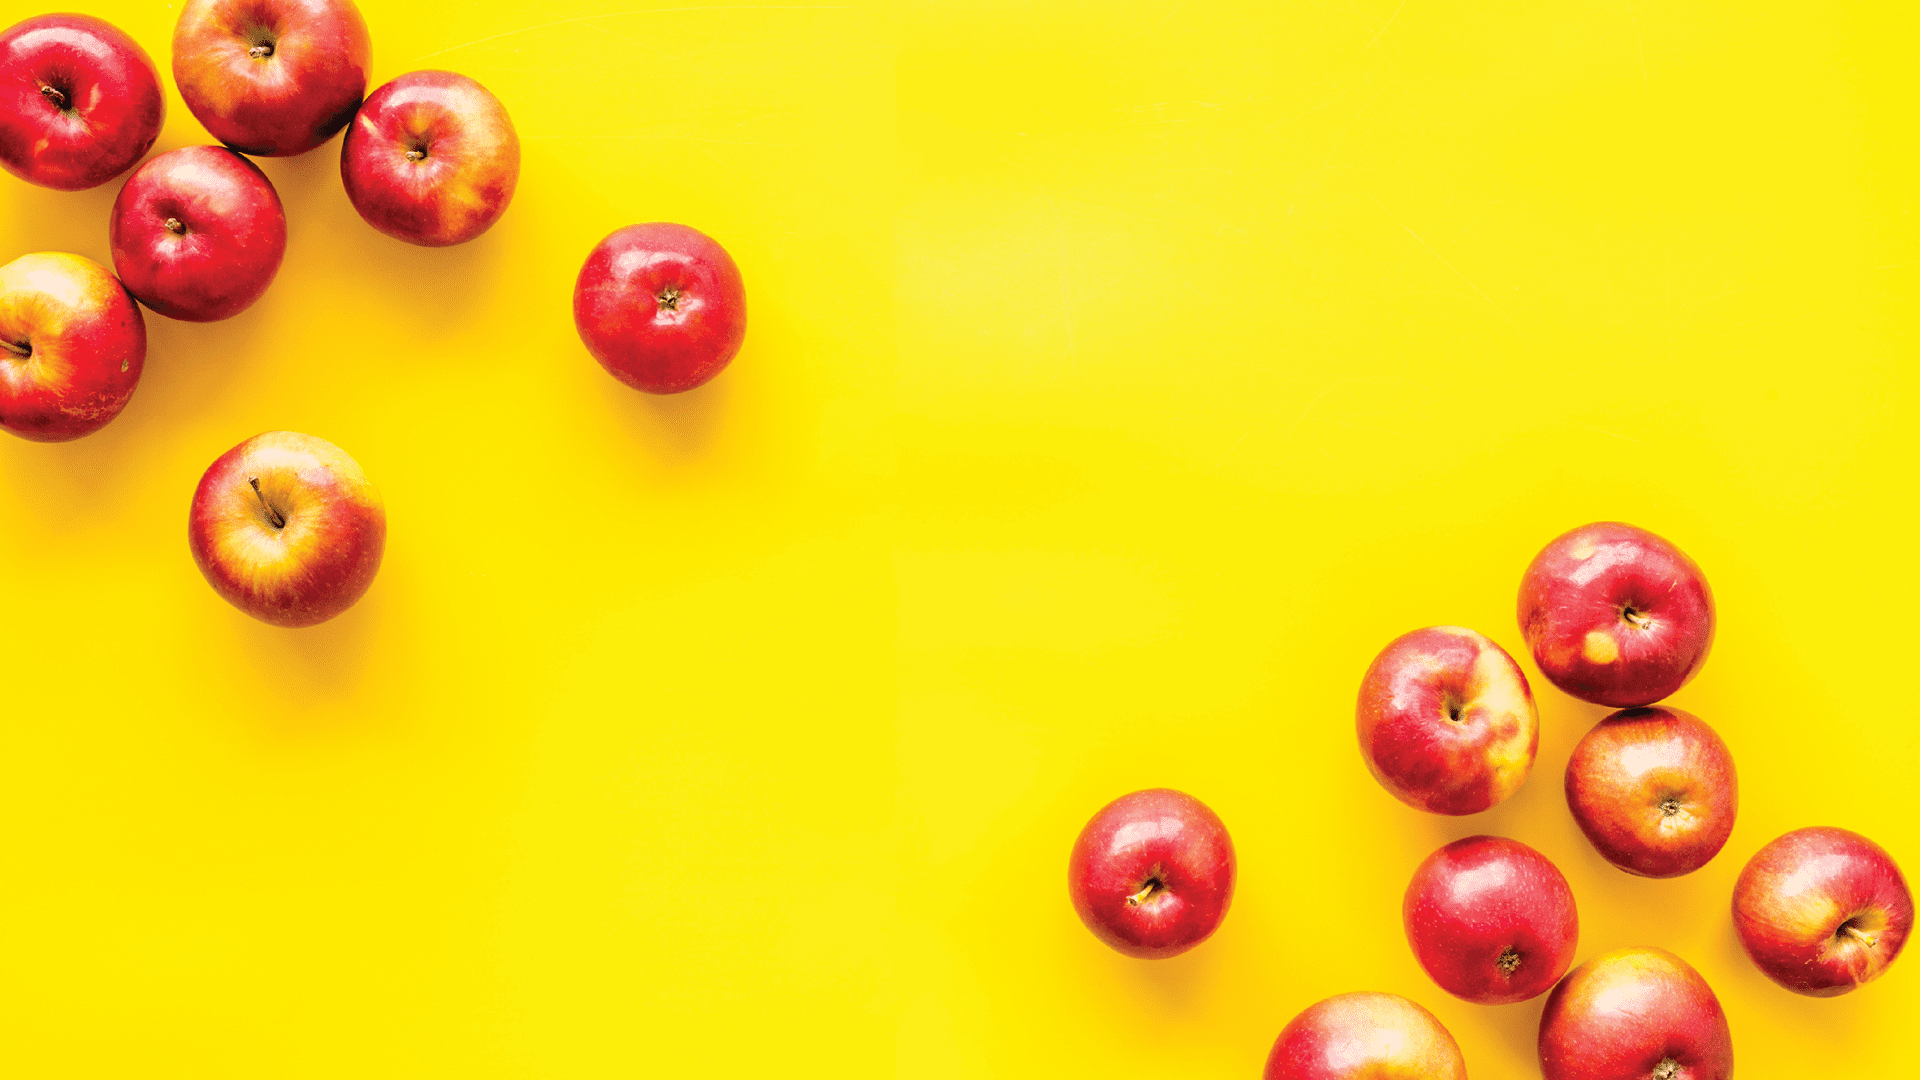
(1636, 1013)
(286, 528)
(1491, 920)
(271, 78)
(1615, 615)
(198, 233)
(661, 307)
(72, 344)
(1446, 721)
(431, 158)
(1654, 790)
(1365, 1037)
(1822, 911)
(1152, 873)
(80, 101)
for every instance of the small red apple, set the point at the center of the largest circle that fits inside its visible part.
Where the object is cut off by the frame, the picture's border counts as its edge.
(1152, 873)
(1491, 920)
(1363, 1037)
(431, 158)
(80, 101)
(1639, 1013)
(661, 307)
(287, 529)
(1615, 615)
(72, 344)
(1822, 911)
(271, 78)
(1654, 790)
(1446, 721)
(198, 233)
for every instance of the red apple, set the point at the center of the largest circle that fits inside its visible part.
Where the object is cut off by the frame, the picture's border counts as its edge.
(1615, 615)
(1654, 790)
(1446, 721)
(1363, 1037)
(198, 233)
(72, 344)
(1491, 920)
(286, 527)
(271, 78)
(80, 101)
(1822, 911)
(431, 159)
(1640, 1013)
(1152, 873)
(661, 307)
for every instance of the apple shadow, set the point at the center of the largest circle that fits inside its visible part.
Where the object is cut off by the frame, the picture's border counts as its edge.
(1170, 986)
(315, 673)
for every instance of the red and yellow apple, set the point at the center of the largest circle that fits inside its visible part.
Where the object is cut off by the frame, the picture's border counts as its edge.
(287, 529)
(80, 101)
(1616, 615)
(1822, 911)
(1654, 790)
(72, 344)
(271, 78)
(1152, 873)
(1491, 920)
(1636, 1013)
(431, 158)
(661, 306)
(1446, 721)
(198, 233)
(1365, 1036)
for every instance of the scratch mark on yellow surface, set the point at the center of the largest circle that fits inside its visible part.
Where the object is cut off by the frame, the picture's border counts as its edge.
(1158, 25)
(1383, 26)
(626, 14)
(1442, 258)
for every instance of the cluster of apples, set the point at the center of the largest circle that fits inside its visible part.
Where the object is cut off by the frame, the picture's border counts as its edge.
(285, 526)
(1613, 615)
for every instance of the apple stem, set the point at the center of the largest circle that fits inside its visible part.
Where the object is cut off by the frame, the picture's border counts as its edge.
(1634, 617)
(1152, 886)
(1858, 934)
(21, 350)
(260, 50)
(54, 95)
(175, 227)
(278, 519)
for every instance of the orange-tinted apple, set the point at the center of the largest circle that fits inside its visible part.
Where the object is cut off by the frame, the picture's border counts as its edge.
(72, 344)
(80, 101)
(286, 527)
(198, 233)
(1635, 1014)
(1446, 721)
(1152, 873)
(431, 158)
(1491, 920)
(1654, 790)
(271, 77)
(1365, 1037)
(661, 306)
(1822, 911)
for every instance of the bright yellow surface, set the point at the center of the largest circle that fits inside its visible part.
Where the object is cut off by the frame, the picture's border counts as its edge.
(1121, 375)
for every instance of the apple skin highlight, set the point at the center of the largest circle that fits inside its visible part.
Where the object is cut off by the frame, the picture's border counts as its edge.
(1822, 911)
(72, 346)
(1152, 873)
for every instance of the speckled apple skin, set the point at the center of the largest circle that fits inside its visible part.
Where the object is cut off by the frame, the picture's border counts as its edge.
(1153, 835)
(1822, 911)
(1635, 1014)
(1654, 790)
(1365, 1036)
(1479, 899)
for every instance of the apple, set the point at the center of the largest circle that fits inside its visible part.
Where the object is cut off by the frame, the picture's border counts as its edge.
(431, 158)
(286, 528)
(1654, 790)
(660, 306)
(1152, 873)
(271, 78)
(1615, 615)
(72, 344)
(1491, 920)
(1640, 1013)
(1363, 1036)
(1822, 911)
(1446, 721)
(198, 233)
(80, 101)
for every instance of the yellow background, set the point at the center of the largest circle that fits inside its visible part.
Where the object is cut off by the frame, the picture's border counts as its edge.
(1121, 375)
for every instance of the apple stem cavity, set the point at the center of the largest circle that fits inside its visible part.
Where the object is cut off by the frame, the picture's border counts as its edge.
(415, 154)
(262, 50)
(279, 520)
(1636, 619)
(1146, 892)
(669, 298)
(1864, 937)
(174, 226)
(1669, 806)
(55, 95)
(1509, 961)
(1666, 1070)
(18, 350)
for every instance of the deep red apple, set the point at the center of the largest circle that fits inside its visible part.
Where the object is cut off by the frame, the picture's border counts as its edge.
(1615, 615)
(286, 527)
(1446, 721)
(661, 307)
(431, 158)
(72, 344)
(198, 233)
(1365, 1037)
(1152, 873)
(1822, 911)
(1654, 790)
(1491, 920)
(1636, 1013)
(271, 78)
(80, 101)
